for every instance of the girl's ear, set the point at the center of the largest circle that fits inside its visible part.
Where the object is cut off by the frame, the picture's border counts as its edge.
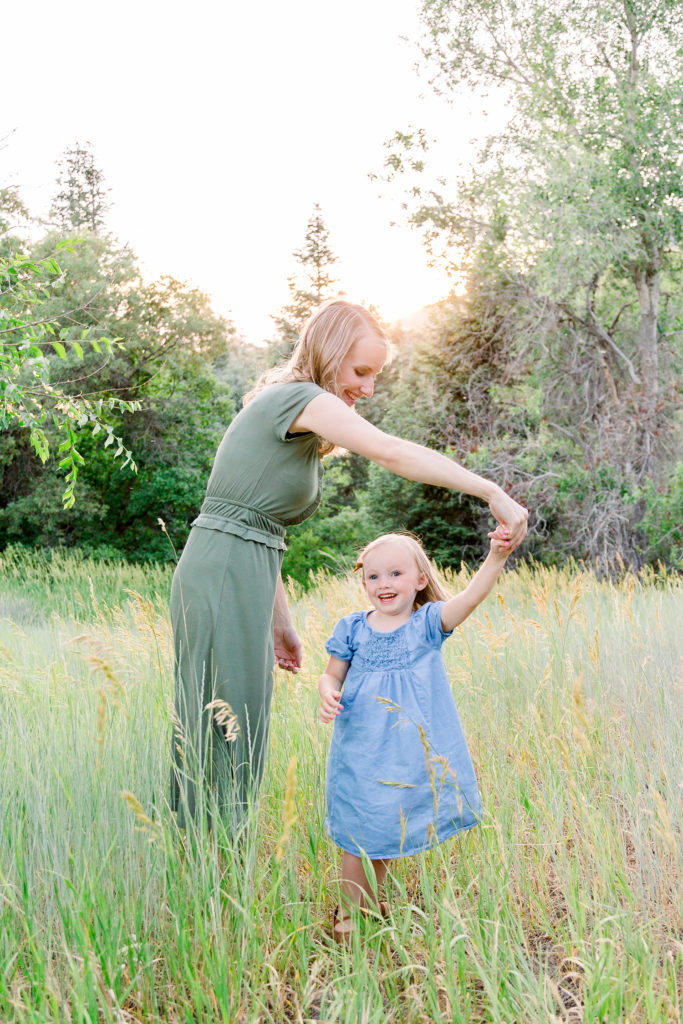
(421, 581)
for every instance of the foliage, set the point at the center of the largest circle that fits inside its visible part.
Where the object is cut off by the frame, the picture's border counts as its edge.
(344, 522)
(570, 227)
(168, 341)
(662, 522)
(35, 398)
(165, 343)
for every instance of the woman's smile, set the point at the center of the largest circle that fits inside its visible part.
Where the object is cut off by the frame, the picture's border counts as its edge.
(359, 368)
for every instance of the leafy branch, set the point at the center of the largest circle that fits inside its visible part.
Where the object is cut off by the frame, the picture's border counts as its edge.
(29, 399)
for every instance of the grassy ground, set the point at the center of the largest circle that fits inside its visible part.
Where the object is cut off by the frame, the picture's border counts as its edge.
(564, 905)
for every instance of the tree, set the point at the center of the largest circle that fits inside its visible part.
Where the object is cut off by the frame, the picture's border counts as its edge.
(168, 341)
(578, 202)
(34, 399)
(81, 200)
(310, 286)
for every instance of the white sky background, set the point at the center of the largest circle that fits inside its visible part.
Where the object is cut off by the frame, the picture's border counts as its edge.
(218, 125)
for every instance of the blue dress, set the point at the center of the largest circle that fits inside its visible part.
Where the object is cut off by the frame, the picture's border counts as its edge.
(399, 774)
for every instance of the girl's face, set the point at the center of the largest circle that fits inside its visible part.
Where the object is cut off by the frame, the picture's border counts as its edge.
(392, 579)
(359, 367)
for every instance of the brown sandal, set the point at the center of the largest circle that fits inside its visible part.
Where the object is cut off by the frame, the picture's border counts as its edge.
(343, 935)
(339, 934)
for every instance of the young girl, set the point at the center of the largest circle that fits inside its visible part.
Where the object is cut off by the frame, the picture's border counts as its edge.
(399, 774)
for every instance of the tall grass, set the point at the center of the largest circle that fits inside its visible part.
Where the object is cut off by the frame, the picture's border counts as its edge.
(564, 905)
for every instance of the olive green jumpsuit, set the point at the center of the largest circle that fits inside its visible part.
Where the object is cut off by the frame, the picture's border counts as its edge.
(263, 480)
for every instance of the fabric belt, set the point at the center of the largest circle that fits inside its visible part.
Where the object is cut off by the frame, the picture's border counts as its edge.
(241, 520)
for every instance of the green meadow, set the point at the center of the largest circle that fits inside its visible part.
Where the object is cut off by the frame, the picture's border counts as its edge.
(564, 905)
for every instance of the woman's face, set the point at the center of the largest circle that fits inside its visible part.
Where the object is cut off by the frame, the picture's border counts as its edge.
(359, 367)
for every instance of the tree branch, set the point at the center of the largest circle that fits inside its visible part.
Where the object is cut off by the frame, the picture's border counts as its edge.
(57, 316)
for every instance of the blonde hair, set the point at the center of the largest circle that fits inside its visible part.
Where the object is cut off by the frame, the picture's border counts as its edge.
(324, 340)
(434, 589)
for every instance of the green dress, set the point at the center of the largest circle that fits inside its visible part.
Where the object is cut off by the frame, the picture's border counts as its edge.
(263, 480)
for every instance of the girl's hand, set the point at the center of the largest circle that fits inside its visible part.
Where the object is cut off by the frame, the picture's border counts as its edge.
(500, 547)
(330, 705)
(511, 517)
(287, 648)
(329, 688)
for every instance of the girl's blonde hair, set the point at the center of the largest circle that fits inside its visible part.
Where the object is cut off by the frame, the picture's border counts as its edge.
(324, 340)
(434, 590)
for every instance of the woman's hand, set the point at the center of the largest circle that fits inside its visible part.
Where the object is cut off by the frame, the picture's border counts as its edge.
(287, 648)
(511, 517)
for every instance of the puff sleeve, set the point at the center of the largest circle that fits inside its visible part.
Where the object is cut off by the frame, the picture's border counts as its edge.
(432, 622)
(342, 643)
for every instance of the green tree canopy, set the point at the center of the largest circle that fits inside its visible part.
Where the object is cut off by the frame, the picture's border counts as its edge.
(576, 207)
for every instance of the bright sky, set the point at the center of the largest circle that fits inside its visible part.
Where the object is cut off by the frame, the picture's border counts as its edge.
(218, 125)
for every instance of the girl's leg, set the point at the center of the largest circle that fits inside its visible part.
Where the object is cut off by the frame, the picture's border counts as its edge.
(356, 887)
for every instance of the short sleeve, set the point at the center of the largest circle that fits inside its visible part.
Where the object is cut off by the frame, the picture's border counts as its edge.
(434, 633)
(342, 644)
(287, 401)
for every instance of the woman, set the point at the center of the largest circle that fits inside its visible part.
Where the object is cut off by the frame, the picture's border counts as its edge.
(228, 606)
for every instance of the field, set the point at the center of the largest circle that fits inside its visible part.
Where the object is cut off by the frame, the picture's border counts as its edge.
(565, 905)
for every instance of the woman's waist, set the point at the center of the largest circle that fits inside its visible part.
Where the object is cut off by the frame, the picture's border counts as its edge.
(232, 516)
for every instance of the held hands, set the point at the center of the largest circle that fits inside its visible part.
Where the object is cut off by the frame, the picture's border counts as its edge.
(500, 547)
(512, 520)
(287, 648)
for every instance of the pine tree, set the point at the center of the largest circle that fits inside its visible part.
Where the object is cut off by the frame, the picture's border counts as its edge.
(309, 286)
(81, 201)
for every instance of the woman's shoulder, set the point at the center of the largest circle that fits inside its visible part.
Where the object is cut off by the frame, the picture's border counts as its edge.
(283, 391)
(281, 402)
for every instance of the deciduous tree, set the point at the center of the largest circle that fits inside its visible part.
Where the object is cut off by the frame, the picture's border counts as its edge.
(578, 201)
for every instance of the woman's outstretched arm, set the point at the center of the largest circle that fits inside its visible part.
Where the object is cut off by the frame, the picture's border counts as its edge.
(329, 417)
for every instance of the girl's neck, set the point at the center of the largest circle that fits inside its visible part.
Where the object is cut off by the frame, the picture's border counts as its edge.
(382, 623)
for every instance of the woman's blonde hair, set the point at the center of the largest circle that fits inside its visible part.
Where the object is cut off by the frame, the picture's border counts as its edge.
(434, 590)
(324, 340)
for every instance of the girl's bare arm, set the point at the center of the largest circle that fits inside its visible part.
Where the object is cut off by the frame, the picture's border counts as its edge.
(329, 417)
(456, 610)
